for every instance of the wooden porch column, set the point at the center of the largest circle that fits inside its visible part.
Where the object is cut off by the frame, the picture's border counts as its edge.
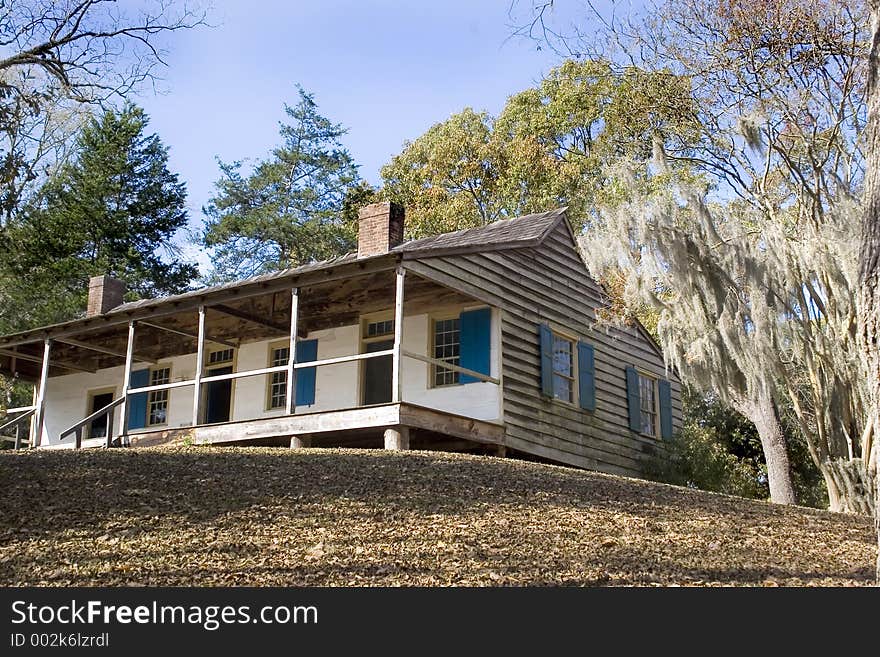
(396, 392)
(291, 354)
(40, 418)
(126, 383)
(200, 367)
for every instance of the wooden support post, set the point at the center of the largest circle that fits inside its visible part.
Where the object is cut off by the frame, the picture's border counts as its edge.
(298, 442)
(200, 368)
(40, 415)
(397, 438)
(126, 383)
(18, 436)
(291, 353)
(33, 421)
(396, 392)
(79, 436)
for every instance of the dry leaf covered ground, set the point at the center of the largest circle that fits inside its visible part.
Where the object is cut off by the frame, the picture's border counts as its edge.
(261, 516)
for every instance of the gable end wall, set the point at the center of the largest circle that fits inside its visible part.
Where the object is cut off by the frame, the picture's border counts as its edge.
(550, 284)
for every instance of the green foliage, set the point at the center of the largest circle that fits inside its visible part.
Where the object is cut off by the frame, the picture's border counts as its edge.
(113, 209)
(289, 209)
(547, 148)
(696, 457)
(719, 450)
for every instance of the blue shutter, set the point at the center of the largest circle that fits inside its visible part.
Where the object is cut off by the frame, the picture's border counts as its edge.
(476, 342)
(306, 351)
(586, 377)
(664, 391)
(633, 401)
(137, 404)
(546, 347)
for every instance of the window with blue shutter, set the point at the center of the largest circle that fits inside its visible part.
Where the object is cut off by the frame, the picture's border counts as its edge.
(664, 391)
(137, 404)
(586, 376)
(475, 328)
(633, 399)
(306, 351)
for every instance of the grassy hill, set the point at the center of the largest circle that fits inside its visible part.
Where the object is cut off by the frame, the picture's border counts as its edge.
(259, 516)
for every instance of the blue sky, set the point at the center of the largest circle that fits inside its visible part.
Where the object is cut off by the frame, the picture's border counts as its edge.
(385, 69)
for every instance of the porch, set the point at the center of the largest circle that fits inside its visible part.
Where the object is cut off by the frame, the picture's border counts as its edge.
(219, 365)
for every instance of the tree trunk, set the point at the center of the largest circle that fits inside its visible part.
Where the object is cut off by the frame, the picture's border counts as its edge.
(851, 486)
(869, 273)
(764, 414)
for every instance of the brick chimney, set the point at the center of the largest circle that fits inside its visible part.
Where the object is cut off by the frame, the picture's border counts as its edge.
(380, 228)
(105, 293)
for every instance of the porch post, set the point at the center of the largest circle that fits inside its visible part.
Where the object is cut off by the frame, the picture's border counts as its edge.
(126, 382)
(291, 353)
(398, 337)
(200, 366)
(40, 418)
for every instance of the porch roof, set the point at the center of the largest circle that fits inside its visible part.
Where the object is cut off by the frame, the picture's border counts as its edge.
(254, 307)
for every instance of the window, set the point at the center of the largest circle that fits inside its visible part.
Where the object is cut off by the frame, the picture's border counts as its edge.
(278, 382)
(447, 347)
(378, 329)
(222, 356)
(648, 404)
(563, 368)
(157, 407)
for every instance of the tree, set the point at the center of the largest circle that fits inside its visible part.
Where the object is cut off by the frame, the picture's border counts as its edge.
(464, 173)
(113, 209)
(57, 61)
(289, 210)
(869, 270)
(545, 149)
(779, 102)
(718, 449)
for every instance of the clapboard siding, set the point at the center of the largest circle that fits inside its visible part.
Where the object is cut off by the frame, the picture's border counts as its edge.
(550, 284)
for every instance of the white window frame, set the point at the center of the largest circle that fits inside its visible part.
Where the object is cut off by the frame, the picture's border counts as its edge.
(655, 425)
(432, 347)
(270, 382)
(568, 337)
(151, 396)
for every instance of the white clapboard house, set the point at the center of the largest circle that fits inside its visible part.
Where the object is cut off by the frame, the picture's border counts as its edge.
(482, 340)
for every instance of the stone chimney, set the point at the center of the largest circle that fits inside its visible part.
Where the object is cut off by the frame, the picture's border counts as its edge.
(380, 228)
(105, 293)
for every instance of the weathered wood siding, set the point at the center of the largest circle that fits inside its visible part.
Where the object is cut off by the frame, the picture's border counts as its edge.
(550, 284)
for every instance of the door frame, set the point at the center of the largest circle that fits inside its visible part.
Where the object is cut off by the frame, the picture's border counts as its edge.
(90, 396)
(233, 363)
(363, 341)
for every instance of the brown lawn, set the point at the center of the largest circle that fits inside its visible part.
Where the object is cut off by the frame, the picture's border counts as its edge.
(261, 516)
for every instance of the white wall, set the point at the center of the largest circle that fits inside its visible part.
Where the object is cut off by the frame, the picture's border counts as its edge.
(336, 386)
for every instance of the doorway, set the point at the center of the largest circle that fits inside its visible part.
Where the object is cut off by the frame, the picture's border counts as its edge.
(98, 426)
(218, 396)
(377, 374)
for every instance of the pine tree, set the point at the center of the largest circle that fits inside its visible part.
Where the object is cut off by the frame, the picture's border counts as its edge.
(114, 209)
(290, 209)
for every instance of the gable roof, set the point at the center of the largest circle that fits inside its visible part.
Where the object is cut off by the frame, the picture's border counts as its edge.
(520, 232)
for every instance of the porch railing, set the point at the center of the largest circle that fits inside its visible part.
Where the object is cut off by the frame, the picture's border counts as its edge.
(23, 413)
(397, 353)
(77, 429)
